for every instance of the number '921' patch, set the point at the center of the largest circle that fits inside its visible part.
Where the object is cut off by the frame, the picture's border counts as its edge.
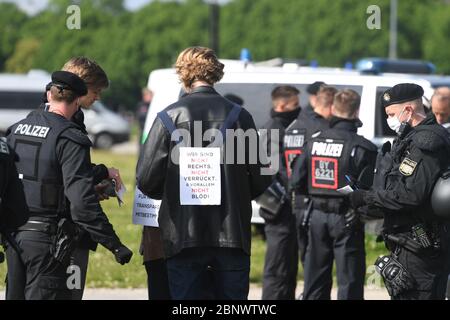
(407, 167)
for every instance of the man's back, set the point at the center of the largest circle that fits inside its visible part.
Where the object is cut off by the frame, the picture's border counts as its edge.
(226, 225)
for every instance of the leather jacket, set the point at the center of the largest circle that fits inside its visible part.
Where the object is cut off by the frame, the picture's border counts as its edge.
(225, 225)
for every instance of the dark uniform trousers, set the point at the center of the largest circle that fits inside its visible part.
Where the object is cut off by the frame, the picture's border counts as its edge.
(432, 282)
(32, 276)
(327, 240)
(281, 260)
(302, 233)
(427, 270)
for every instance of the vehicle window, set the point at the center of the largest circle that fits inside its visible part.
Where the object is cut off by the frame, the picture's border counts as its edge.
(20, 100)
(381, 127)
(257, 98)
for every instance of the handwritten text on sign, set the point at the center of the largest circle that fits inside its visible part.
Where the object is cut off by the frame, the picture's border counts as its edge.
(145, 210)
(200, 176)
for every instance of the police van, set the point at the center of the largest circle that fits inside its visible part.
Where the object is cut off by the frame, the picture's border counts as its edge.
(254, 82)
(21, 93)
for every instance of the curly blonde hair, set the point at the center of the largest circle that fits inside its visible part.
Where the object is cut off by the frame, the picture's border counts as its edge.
(198, 63)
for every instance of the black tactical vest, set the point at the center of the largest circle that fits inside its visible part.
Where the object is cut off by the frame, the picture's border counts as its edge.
(294, 140)
(297, 134)
(34, 141)
(4, 165)
(330, 162)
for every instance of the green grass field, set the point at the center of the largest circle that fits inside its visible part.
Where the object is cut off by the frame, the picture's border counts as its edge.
(104, 272)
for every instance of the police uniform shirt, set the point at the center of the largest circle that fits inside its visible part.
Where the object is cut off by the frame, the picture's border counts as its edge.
(406, 175)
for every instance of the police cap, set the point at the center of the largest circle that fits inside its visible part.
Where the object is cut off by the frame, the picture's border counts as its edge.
(313, 88)
(400, 93)
(70, 81)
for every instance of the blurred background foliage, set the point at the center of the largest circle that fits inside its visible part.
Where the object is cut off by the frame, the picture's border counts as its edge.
(130, 44)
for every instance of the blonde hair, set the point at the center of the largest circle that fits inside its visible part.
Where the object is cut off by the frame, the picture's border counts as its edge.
(198, 63)
(88, 70)
(346, 102)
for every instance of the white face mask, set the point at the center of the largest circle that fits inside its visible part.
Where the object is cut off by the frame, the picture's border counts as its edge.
(394, 122)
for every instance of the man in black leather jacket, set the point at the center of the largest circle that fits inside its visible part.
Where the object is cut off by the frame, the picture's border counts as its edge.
(198, 238)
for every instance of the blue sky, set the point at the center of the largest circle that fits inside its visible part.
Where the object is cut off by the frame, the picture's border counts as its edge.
(34, 6)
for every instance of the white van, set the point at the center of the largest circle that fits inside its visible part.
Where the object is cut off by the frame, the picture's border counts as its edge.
(254, 85)
(21, 93)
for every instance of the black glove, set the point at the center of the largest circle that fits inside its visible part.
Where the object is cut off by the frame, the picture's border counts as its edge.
(396, 278)
(386, 147)
(123, 254)
(356, 199)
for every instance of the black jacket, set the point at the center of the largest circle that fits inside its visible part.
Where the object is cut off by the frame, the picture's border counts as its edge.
(225, 225)
(13, 208)
(99, 172)
(361, 157)
(280, 121)
(72, 150)
(406, 174)
(309, 120)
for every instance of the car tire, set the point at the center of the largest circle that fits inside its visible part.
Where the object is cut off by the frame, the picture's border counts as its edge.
(104, 141)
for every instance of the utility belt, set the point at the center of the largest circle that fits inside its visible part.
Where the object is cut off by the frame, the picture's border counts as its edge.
(421, 239)
(330, 205)
(50, 228)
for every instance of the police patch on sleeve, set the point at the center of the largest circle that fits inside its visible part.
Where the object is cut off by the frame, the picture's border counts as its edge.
(407, 167)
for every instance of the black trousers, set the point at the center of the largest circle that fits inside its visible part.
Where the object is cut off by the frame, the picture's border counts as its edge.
(80, 259)
(157, 280)
(430, 272)
(203, 273)
(328, 240)
(302, 234)
(31, 275)
(281, 260)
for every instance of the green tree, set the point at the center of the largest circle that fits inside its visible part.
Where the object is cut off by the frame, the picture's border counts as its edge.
(11, 21)
(21, 60)
(437, 38)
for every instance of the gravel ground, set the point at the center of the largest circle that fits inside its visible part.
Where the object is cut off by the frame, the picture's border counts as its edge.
(141, 294)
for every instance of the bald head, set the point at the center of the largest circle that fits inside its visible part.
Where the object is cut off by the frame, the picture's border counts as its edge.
(440, 104)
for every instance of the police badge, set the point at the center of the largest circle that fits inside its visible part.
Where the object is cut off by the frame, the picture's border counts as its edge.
(387, 97)
(407, 167)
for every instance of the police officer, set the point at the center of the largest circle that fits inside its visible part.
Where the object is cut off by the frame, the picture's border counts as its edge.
(54, 165)
(440, 105)
(310, 121)
(281, 259)
(404, 180)
(208, 236)
(335, 158)
(312, 91)
(13, 211)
